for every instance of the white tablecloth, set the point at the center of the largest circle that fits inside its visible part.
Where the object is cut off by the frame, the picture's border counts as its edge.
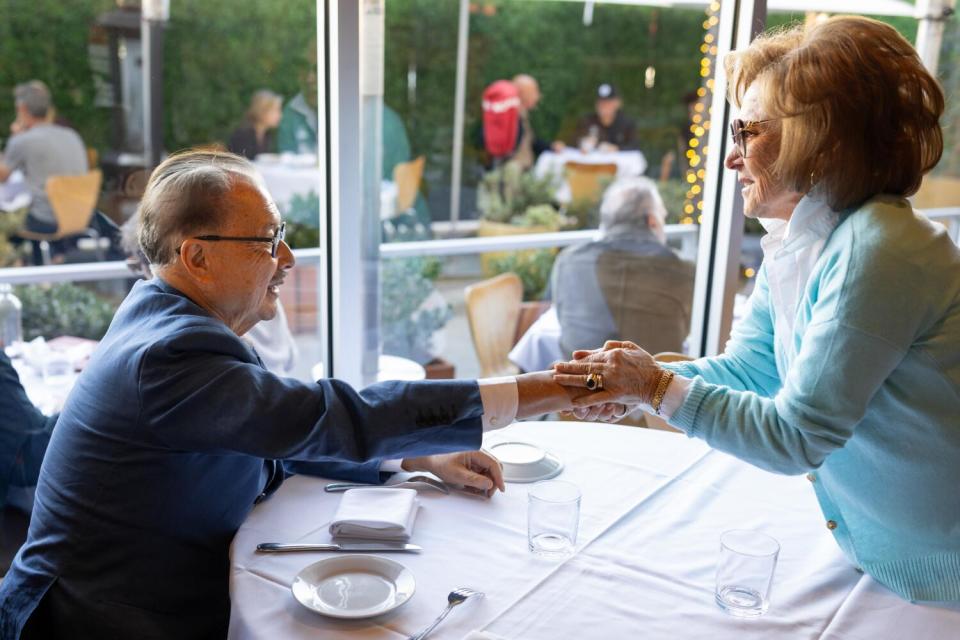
(654, 506)
(539, 347)
(550, 163)
(291, 176)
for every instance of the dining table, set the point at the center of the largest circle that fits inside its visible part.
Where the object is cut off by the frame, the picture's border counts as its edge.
(550, 164)
(654, 505)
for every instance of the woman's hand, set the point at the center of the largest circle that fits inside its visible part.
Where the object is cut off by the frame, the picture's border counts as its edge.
(630, 375)
(476, 470)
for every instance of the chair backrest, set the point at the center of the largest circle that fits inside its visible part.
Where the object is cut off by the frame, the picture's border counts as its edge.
(650, 298)
(587, 181)
(73, 200)
(407, 176)
(493, 309)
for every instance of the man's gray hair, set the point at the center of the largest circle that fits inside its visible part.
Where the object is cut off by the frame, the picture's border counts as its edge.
(627, 204)
(184, 197)
(34, 96)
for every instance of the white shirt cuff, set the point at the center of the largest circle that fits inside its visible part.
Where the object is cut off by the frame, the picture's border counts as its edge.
(674, 396)
(391, 466)
(501, 399)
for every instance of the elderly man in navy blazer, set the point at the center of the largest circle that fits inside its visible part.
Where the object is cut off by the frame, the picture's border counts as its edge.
(174, 429)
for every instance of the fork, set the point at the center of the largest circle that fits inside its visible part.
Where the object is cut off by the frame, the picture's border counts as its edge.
(455, 597)
(413, 482)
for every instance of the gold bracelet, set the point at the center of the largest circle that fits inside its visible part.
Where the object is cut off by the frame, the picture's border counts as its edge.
(665, 377)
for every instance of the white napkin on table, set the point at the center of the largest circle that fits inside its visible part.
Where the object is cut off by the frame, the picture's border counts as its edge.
(376, 513)
(482, 635)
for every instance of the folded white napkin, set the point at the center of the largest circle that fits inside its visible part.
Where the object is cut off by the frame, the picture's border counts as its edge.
(377, 513)
(482, 635)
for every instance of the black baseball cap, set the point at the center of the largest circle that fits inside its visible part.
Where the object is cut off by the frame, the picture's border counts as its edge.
(607, 91)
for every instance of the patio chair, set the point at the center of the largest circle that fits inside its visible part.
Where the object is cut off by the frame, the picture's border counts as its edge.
(73, 200)
(588, 181)
(493, 310)
(407, 176)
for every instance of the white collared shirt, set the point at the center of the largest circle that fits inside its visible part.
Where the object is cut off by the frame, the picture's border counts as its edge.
(791, 248)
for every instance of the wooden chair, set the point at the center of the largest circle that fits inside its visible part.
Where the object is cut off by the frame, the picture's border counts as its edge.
(588, 181)
(407, 176)
(73, 200)
(493, 310)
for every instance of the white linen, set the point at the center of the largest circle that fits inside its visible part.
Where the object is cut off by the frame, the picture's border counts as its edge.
(291, 175)
(550, 163)
(654, 505)
(376, 513)
(539, 347)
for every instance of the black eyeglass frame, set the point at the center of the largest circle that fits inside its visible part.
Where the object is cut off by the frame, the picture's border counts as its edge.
(741, 129)
(274, 241)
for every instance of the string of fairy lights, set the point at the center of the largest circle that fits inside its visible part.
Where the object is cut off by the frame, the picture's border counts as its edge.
(697, 148)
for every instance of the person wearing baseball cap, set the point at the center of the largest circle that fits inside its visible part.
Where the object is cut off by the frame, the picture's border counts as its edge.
(607, 128)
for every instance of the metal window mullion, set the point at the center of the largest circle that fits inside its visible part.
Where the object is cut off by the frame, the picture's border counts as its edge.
(346, 261)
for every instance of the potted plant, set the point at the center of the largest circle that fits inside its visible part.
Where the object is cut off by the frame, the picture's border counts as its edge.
(412, 313)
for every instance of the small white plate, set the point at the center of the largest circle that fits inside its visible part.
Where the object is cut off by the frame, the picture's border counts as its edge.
(354, 586)
(525, 462)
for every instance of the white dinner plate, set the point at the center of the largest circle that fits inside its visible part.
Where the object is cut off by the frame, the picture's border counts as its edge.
(354, 586)
(525, 462)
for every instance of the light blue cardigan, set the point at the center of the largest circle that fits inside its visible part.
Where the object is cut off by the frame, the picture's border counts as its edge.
(872, 398)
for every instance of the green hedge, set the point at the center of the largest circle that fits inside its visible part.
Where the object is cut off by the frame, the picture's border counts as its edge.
(219, 51)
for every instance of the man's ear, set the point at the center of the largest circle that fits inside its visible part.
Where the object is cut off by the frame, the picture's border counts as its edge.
(194, 259)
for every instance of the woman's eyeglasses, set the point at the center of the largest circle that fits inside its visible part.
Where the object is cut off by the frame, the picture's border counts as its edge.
(741, 130)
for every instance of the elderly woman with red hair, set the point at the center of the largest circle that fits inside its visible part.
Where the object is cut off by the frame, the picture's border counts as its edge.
(847, 366)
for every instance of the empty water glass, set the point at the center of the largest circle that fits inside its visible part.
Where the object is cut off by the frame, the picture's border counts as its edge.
(57, 371)
(553, 517)
(745, 572)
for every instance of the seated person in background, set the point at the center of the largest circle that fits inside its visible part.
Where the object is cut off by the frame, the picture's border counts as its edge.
(41, 149)
(298, 123)
(607, 128)
(24, 434)
(175, 429)
(257, 134)
(627, 283)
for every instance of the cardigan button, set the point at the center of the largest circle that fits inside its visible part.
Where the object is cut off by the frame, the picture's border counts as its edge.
(811, 477)
(831, 524)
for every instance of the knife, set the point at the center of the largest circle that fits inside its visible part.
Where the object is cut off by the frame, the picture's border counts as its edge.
(378, 547)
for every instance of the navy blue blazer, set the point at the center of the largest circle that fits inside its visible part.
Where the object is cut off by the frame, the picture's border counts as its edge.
(167, 439)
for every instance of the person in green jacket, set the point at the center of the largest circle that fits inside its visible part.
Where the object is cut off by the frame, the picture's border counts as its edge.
(847, 366)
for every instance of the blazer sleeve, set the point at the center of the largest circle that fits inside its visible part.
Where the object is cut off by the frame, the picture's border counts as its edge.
(195, 394)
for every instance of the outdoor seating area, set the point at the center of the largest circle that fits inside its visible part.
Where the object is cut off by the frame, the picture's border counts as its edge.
(480, 319)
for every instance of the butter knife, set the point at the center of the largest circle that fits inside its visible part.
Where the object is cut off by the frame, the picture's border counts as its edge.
(376, 547)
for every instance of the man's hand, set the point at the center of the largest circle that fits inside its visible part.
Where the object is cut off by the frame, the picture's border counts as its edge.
(473, 469)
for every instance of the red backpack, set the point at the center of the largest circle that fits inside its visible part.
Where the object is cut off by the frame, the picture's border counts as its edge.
(501, 118)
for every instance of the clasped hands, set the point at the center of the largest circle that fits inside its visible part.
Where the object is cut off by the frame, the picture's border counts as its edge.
(629, 378)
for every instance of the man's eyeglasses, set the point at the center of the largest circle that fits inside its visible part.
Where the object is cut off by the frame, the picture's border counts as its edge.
(274, 241)
(741, 130)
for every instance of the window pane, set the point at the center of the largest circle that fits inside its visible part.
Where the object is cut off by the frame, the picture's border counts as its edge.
(563, 104)
(220, 83)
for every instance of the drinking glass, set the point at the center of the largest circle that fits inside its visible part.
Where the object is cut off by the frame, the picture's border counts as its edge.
(745, 572)
(553, 517)
(57, 370)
